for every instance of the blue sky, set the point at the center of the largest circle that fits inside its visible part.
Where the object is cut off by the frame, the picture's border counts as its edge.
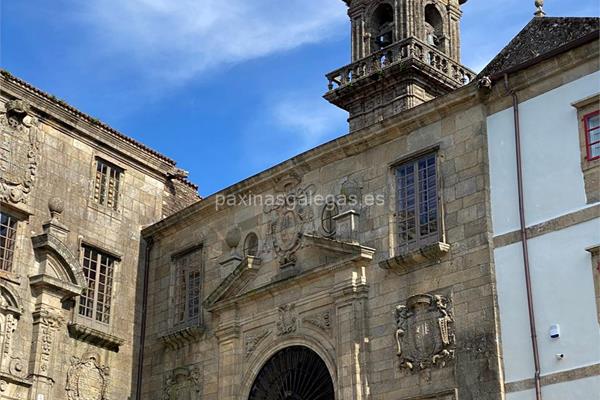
(226, 88)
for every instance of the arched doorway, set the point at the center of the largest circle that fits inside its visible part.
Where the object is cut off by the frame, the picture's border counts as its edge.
(294, 373)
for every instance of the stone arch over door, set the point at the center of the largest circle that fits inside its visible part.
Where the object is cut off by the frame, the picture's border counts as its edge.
(292, 372)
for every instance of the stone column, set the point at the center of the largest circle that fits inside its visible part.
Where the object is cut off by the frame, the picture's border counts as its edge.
(350, 298)
(45, 324)
(230, 372)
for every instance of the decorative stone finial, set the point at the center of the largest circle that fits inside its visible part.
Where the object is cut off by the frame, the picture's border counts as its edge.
(233, 237)
(56, 207)
(539, 4)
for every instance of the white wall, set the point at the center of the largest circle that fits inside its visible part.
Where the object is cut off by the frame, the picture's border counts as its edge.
(561, 268)
(563, 290)
(552, 174)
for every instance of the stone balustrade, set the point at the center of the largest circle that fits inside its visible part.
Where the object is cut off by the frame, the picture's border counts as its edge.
(396, 53)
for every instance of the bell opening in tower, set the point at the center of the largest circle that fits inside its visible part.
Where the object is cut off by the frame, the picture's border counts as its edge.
(434, 27)
(383, 26)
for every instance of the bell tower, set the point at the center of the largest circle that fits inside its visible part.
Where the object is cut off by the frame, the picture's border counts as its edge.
(404, 53)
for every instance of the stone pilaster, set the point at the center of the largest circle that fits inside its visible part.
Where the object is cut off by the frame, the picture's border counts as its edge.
(352, 340)
(46, 322)
(230, 372)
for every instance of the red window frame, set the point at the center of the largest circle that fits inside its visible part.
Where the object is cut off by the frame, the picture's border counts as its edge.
(588, 143)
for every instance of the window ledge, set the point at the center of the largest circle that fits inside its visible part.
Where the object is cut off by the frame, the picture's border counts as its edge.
(411, 258)
(10, 277)
(94, 336)
(178, 337)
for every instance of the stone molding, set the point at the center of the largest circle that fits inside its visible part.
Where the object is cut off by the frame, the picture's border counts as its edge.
(405, 260)
(252, 341)
(179, 337)
(321, 320)
(234, 282)
(94, 336)
(552, 379)
(552, 225)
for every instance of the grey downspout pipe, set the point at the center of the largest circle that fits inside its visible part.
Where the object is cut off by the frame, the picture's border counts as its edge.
(523, 228)
(149, 245)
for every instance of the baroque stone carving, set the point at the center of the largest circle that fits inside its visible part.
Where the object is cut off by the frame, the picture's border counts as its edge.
(287, 320)
(19, 148)
(49, 323)
(321, 320)
(290, 213)
(425, 332)
(87, 379)
(252, 342)
(183, 384)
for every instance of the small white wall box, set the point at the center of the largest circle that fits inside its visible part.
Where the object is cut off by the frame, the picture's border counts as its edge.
(555, 331)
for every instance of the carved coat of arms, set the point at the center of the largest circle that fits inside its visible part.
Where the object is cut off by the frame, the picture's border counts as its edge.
(425, 332)
(287, 319)
(87, 379)
(183, 384)
(290, 213)
(19, 147)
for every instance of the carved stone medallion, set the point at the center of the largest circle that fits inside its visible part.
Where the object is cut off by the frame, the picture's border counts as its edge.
(87, 379)
(183, 384)
(425, 332)
(287, 320)
(290, 213)
(19, 147)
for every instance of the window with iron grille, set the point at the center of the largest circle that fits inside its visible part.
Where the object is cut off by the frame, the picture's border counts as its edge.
(188, 284)
(592, 135)
(106, 187)
(8, 236)
(96, 299)
(417, 207)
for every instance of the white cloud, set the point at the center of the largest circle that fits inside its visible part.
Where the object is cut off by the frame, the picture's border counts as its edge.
(308, 120)
(178, 40)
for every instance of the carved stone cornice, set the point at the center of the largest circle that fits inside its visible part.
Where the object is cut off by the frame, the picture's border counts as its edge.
(177, 338)
(228, 332)
(239, 278)
(94, 336)
(405, 260)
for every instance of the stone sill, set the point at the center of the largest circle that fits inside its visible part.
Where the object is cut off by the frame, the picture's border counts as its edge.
(412, 258)
(178, 337)
(10, 277)
(94, 336)
(10, 378)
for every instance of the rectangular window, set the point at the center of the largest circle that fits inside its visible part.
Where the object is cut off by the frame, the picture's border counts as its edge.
(106, 187)
(95, 301)
(187, 288)
(417, 203)
(8, 235)
(592, 135)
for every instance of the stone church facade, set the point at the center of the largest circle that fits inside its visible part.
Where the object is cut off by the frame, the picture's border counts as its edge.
(74, 195)
(365, 268)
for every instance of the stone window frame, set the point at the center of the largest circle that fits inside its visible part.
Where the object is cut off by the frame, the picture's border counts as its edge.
(21, 217)
(246, 249)
(103, 325)
(587, 132)
(175, 288)
(115, 213)
(590, 166)
(110, 174)
(8, 240)
(595, 255)
(439, 235)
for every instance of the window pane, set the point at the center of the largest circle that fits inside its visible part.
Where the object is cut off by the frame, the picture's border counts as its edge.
(593, 122)
(595, 150)
(96, 299)
(594, 135)
(8, 232)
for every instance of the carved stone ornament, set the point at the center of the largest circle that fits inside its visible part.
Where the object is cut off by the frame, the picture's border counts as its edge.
(425, 332)
(87, 379)
(183, 384)
(321, 320)
(252, 342)
(49, 322)
(290, 214)
(287, 320)
(19, 150)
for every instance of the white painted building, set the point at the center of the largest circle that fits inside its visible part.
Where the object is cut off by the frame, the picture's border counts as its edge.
(557, 114)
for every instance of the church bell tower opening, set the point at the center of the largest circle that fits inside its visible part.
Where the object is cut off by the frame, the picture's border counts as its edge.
(404, 53)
